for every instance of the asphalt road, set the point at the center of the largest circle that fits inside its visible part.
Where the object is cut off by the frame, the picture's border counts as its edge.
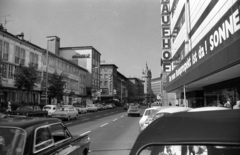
(111, 131)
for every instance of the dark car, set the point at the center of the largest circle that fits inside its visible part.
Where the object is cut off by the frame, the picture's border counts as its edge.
(191, 133)
(29, 110)
(35, 136)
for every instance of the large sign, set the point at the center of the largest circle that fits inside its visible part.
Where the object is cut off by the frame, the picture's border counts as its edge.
(218, 38)
(166, 34)
(81, 55)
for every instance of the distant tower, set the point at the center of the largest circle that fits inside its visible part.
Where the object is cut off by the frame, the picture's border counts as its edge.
(146, 77)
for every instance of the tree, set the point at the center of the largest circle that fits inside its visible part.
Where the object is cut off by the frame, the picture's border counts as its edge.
(26, 77)
(56, 86)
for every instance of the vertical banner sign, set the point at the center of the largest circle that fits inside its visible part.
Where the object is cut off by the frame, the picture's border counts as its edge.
(166, 36)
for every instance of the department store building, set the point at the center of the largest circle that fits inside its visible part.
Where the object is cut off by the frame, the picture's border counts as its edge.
(205, 51)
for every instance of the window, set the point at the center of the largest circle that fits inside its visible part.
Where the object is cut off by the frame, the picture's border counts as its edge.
(59, 133)
(34, 59)
(5, 51)
(105, 83)
(43, 139)
(10, 71)
(4, 72)
(22, 56)
(105, 76)
(17, 54)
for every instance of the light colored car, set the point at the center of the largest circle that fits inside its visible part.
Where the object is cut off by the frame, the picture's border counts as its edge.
(80, 108)
(149, 118)
(66, 112)
(145, 115)
(92, 108)
(133, 110)
(50, 109)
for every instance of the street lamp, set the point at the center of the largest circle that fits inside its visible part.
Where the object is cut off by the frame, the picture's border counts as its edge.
(46, 95)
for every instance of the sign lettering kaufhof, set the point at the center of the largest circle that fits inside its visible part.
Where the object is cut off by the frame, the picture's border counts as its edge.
(166, 33)
(81, 55)
(219, 37)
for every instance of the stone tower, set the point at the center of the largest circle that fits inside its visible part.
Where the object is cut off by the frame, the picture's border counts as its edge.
(146, 78)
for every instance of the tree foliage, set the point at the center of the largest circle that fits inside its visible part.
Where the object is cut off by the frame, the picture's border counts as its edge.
(56, 86)
(26, 77)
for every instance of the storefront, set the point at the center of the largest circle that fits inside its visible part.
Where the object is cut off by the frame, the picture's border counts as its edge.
(212, 66)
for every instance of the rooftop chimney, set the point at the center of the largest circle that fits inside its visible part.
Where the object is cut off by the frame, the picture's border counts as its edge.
(20, 35)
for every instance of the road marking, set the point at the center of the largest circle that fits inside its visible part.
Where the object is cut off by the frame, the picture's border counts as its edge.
(85, 133)
(68, 123)
(103, 124)
(98, 116)
(122, 116)
(115, 119)
(85, 119)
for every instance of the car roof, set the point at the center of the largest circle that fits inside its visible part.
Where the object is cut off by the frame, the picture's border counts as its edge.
(174, 109)
(207, 127)
(26, 122)
(208, 109)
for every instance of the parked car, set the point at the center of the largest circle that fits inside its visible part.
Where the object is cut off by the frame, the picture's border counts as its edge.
(125, 106)
(200, 133)
(50, 109)
(35, 136)
(29, 110)
(3, 115)
(80, 108)
(92, 108)
(66, 112)
(133, 110)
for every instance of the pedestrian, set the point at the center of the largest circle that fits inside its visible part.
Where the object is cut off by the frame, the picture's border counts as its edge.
(227, 104)
(9, 106)
(170, 104)
(237, 106)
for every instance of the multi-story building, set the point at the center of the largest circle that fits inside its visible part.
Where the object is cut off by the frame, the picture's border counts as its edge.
(14, 50)
(108, 83)
(122, 88)
(135, 90)
(75, 75)
(156, 87)
(89, 58)
(205, 51)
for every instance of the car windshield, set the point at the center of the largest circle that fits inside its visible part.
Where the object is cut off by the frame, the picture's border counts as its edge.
(148, 112)
(133, 107)
(12, 141)
(25, 108)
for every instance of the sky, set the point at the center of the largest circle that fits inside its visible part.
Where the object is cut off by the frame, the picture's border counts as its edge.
(125, 32)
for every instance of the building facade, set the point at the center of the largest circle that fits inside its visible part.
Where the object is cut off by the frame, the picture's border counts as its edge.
(136, 90)
(205, 51)
(88, 58)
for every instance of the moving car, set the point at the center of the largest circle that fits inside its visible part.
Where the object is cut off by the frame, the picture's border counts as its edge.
(133, 110)
(200, 133)
(50, 109)
(66, 112)
(92, 108)
(35, 136)
(29, 110)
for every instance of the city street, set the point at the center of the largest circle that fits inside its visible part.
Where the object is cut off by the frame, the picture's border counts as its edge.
(112, 132)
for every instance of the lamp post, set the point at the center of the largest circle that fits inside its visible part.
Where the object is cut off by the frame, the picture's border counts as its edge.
(46, 95)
